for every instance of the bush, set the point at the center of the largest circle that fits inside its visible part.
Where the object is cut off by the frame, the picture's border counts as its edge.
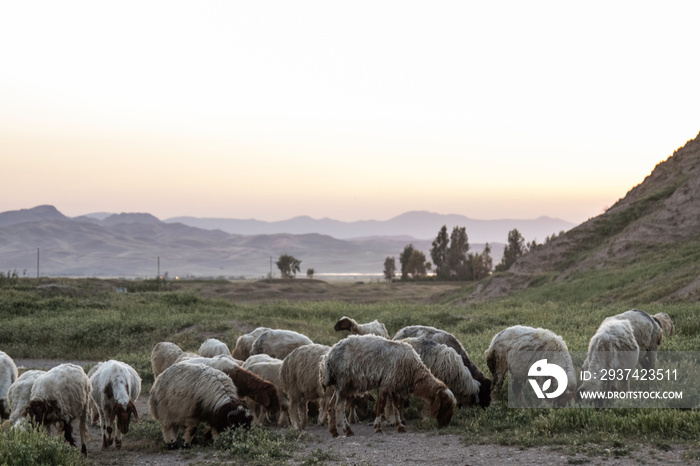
(33, 446)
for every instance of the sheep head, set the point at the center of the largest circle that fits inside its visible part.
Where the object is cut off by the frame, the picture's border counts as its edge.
(485, 393)
(345, 323)
(41, 411)
(124, 416)
(442, 407)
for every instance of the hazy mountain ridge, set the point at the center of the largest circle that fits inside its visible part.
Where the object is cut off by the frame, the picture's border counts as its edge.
(655, 218)
(128, 245)
(417, 224)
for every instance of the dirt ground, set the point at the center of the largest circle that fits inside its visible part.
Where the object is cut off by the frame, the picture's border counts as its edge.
(367, 447)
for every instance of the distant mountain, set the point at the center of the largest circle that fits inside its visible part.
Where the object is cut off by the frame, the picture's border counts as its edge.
(129, 245)
(423, 225)
(647, 244)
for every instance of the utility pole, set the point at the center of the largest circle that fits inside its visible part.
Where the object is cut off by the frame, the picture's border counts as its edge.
(270, 267)
(158, 267)
(37, 263)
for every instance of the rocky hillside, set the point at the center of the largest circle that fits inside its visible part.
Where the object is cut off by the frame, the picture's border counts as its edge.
(657, 220)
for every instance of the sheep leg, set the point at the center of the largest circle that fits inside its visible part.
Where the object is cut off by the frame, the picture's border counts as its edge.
(84, 432)
(332, 426)
(68, 433)
(381, 404)
(170, 436)
(302, 414)
(398, 403)
(188, 436)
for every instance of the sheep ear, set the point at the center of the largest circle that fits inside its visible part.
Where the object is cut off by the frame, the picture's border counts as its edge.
(131, 408)
(342, 324)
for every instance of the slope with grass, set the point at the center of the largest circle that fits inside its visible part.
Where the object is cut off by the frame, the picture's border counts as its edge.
(646, 245)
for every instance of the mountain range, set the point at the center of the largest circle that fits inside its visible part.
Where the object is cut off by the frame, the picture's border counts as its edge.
(141, 245)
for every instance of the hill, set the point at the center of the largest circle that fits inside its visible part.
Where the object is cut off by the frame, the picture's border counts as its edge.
(129, 245)
(646, 246)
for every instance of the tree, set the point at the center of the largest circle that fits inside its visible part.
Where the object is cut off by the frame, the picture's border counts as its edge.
(417, 265)
(403, 259)
(512, 251)
(482, 264)
(457, 260)
(310, 274)
(389, 269)
(438, 254)
(288, 265)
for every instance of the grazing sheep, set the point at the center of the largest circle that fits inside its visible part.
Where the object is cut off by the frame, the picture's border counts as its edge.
(647, 332)
(447, 366)
(371, 328)
(8, 375)
(361, 363)
(612, 347)
(248, 384)
(299, 380)
(186, 394)
(256, 358)
(270, 371)
(213, 347)
(278, 343)
(164, 355)
(664, 320)
(115, 388)
(446, 338)
(61, 395)
(19, 394)
(517, 348)
(245, 342)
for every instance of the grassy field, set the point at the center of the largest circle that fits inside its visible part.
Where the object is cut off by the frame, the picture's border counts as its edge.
(88, 320)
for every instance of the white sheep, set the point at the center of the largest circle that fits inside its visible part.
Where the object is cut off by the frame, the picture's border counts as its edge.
(213, 347)
(372, 328)
(245, 342)
(164, 355)
(270, 371)
(186, 394)
(664, 320)
(446, 338)
(256, 358)
(8, 375)
(115, 388)
(279, 343)
(360, 363)
(647, 332)
(299, 380)
(248, 385)
(62, 394)
(612, 347)
(447, 366)
(19, 394)
(515, 349)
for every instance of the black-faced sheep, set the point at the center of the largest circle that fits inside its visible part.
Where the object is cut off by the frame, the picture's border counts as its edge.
(8, 374)
(517, 348)
(299, 379)
(446, 338)
(664, 320)
(186, 394)
(245, 342)
(360, 363)
(62, 395)
(270, 371)
(278, 343)
(19, 394)
(612, 347)
(248, 384)
(213, 347)
(372, 328)
(115, 388)
(647, 332)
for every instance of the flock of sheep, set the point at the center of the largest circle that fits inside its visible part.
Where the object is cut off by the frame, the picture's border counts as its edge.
(273, 375)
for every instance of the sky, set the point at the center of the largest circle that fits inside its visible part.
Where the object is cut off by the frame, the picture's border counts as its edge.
(349, 110)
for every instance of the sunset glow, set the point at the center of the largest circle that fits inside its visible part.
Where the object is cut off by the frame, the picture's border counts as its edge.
(351, 110)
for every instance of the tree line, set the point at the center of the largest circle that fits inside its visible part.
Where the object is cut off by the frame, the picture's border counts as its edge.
(452, 260)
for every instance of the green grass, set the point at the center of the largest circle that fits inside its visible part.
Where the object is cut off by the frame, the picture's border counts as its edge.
(102, 325)
(33, 446)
